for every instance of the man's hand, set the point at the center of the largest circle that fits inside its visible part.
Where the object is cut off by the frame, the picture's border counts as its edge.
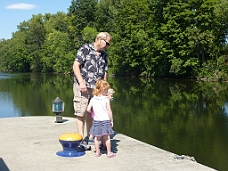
(83, 87)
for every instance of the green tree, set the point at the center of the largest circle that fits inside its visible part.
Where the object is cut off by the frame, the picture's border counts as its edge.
(81, 13)
(56, 21)
(34, 33)
(190, 32)
(131, 41)
(56, 54)
(89, 34)
(5, 47)
(150, 38)
(105, 14)
(19, 58)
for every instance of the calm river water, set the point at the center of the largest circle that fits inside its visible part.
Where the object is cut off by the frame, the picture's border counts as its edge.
(183, 117)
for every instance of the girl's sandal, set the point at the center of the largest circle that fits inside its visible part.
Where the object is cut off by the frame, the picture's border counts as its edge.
(97, 154)
(111, 155)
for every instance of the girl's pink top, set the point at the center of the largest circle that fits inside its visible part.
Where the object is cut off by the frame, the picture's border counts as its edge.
(92, 113)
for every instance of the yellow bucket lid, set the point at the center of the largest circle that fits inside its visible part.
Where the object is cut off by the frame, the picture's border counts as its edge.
(70, 137)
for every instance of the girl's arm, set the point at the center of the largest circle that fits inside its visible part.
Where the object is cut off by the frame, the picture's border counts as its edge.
(109, 111)
(90, 105)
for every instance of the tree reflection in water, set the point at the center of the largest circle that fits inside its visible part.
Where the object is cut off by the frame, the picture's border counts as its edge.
(184, 117)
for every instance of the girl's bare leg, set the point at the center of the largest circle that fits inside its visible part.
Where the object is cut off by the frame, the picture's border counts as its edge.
(97, 144)
(80, 125)
(107, 141)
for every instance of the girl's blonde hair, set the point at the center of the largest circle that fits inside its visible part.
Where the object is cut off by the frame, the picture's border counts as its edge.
(101, 85)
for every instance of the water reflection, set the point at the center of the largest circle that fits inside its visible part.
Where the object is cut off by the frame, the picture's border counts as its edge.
(184, 117)
(225, 108)
(8, 109)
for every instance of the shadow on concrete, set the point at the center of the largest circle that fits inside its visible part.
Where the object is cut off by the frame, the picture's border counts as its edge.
(63, 121)
(114, 142)
(3, 166)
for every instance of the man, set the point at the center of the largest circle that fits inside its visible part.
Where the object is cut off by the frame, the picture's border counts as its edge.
(91, 63)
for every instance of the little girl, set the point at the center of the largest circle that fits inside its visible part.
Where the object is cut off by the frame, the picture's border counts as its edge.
(103, 121)
(110, 97)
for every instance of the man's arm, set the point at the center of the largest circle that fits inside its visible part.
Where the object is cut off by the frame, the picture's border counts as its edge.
(77, 73)
(105, 76)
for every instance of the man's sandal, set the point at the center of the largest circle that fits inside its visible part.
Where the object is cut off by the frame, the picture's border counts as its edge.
(111, 155)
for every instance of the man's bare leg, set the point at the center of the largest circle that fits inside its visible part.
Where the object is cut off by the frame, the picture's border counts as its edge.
(80, 124)
(89, 122)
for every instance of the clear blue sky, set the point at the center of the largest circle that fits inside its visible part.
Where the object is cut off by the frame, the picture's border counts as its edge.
(12, 12)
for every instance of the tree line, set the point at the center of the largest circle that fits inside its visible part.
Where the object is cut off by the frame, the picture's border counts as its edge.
(151, 38)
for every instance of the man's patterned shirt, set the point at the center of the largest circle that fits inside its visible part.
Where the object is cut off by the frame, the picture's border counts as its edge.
(91, 67)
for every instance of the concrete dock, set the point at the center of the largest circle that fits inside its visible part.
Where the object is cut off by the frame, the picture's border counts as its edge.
(31, 143)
